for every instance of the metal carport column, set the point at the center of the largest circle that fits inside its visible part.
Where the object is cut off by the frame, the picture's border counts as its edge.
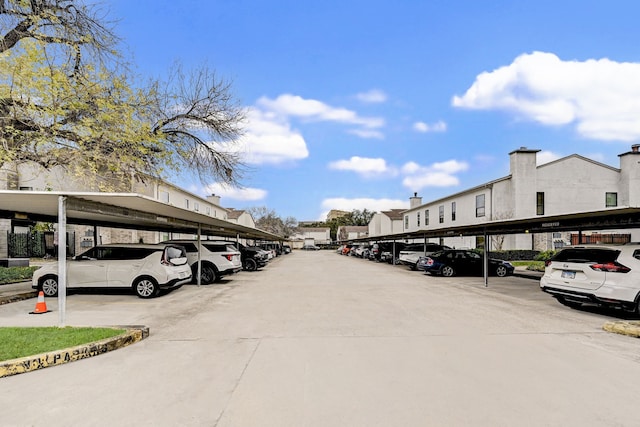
(62, 259)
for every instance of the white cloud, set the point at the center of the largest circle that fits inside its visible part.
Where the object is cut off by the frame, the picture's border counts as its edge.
(543, 157)
(441, 174)
(601, 98)
(234, 193)
(288, 105)
(361, 204)
(367, 133)
(364, 166)
(268, 140)
(374, 96)
(423, 127)
(415, 176)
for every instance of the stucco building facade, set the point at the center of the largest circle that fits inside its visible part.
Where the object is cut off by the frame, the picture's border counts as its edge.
(571, 184)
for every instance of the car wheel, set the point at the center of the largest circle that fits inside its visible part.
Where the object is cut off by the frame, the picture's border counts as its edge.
(448, 271)
(49, 286)
(208, 275)
(413, 267)
(146, 287)
(250, 265)
(501, 271)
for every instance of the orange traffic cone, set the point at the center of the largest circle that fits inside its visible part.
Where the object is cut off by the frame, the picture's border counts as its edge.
(41, 306)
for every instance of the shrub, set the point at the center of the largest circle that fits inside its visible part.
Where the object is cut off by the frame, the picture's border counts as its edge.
(545, 255)
(16, 274)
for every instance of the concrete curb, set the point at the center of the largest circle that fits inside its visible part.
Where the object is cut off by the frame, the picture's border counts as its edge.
(17, 297)
(53, 358)
(629, 328)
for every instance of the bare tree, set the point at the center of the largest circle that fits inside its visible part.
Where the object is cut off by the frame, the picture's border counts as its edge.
(66, 98)
(268, 220)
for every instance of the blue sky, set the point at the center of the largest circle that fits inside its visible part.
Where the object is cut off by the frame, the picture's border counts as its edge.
(359, 104)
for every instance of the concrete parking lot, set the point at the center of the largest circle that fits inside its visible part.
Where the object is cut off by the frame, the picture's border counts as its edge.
(319, 339)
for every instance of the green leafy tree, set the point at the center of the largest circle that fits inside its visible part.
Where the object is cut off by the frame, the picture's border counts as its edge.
(355, 217)
(67, 98)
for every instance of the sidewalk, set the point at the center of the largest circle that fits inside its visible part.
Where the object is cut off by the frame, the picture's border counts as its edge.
(527, 274)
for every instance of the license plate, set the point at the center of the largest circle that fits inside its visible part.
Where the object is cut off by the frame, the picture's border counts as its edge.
(568, 274)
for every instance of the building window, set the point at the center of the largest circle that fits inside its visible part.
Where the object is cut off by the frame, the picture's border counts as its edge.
(406, 222)
(453, 211)
(163, 196)
(208, 210)
(426, 217)
(186, 203)
(418, 219)
(480, 205)
(441, 214)
(611, 200)
(539, 203)
(196, 206)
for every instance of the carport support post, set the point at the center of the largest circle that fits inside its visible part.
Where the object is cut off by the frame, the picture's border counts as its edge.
(485, 260)
(393, 253)
(199, 269)
(62, 259)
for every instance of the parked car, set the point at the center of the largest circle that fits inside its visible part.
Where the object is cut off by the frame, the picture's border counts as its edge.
(361, 250)
(146, 269)
(276, 248)
(382, 251)
(286, 249)
(218, 258)
(391, 253)
(310, 248)
(412, 253)
(451, 262)
(603, 275)
(347, 249)
(252, 257)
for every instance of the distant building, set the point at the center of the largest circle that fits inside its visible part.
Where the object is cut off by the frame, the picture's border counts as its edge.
(240, 217)
(571, 184)
(386, 222)
(335, 214)
(320, 235)
(348, 232)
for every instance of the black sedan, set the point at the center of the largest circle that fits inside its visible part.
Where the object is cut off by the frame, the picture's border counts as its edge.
(453, 262)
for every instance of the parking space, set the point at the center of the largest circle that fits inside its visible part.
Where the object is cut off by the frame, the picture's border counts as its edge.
(320, 339)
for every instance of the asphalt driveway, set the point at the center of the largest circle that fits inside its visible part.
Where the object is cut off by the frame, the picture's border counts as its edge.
(319, 339)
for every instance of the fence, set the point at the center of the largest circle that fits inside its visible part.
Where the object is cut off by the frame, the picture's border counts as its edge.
(600, 238)
(37, 244)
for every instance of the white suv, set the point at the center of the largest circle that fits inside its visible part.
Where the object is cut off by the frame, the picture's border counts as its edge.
(146, 269)
(597, 274)
(219, 258)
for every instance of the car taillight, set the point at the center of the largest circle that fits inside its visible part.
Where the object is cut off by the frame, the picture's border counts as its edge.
(429, 261)
(547, 263)
(611, 267)
(229, 257)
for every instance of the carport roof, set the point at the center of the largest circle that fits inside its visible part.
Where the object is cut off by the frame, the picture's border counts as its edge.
(618, 218)
(120, 210)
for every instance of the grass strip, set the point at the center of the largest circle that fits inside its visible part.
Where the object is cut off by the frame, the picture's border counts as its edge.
(20, 342)
(16, 274)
